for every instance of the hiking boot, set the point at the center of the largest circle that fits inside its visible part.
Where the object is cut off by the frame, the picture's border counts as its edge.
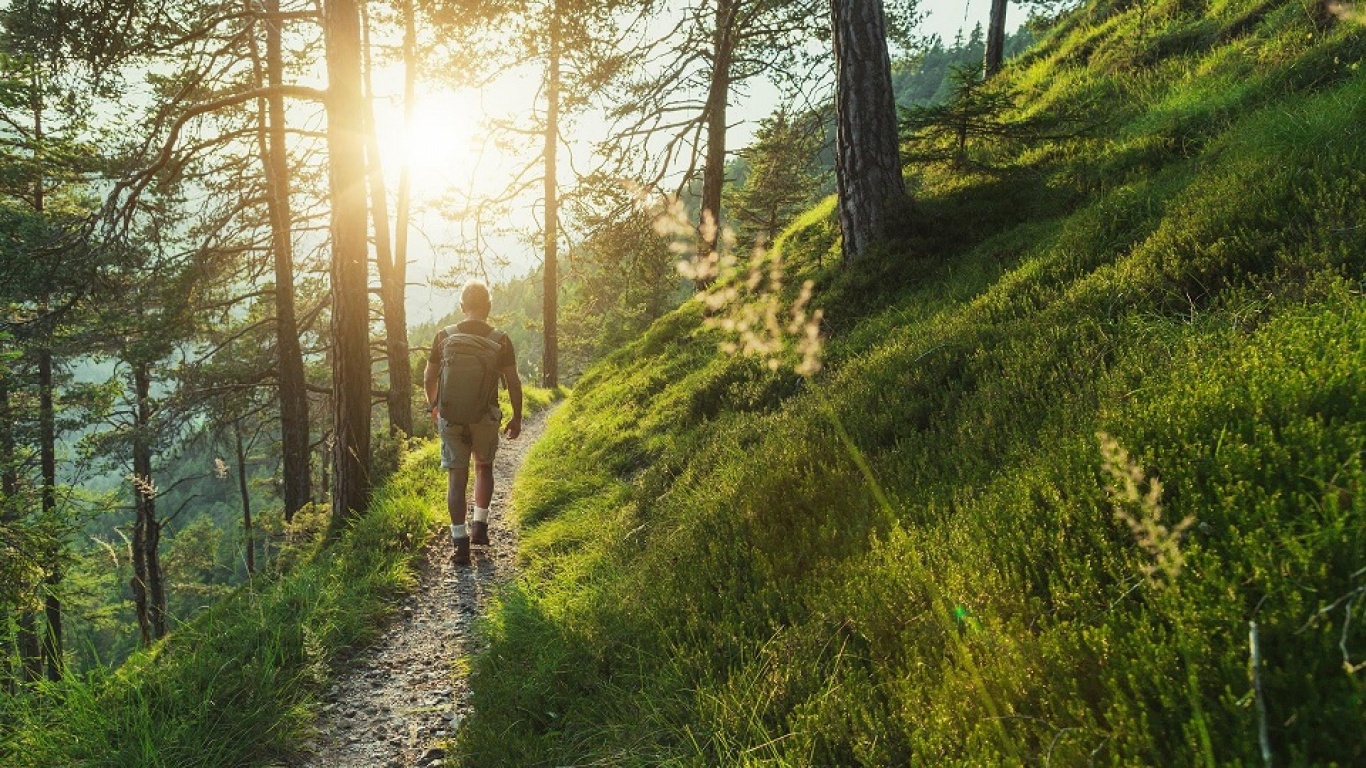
(479, 533)
(462, 550)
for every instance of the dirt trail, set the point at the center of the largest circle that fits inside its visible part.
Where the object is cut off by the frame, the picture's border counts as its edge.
(408, 692)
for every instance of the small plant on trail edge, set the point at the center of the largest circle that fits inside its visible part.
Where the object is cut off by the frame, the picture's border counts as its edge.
(1141, 510)
(750, 308)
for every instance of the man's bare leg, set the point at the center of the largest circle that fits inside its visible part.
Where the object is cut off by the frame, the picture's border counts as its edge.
(483, 497)
(483, 485)
(456, 480)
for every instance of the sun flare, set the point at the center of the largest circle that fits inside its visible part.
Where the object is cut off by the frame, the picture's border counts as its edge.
(442, 144)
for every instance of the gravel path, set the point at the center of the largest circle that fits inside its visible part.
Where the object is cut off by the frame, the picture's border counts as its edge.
(399, 699)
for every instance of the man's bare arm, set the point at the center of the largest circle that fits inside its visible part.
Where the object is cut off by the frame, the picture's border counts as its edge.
(514, 385)
(431, 379)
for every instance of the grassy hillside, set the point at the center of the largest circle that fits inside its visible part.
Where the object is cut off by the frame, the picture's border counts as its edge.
(1091, 429)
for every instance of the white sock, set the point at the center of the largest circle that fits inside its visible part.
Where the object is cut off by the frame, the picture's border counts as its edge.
(481, 515)
(458, 531)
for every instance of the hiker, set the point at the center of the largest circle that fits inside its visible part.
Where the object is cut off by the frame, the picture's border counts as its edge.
(477, 432)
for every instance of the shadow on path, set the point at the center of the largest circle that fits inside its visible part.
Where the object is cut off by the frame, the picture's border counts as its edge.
(409, 690)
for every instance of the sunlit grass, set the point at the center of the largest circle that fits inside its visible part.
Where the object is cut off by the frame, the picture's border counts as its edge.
(239, 684)
(715, 577)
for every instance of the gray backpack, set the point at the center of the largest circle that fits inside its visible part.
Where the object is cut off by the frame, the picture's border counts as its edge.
(469, 375)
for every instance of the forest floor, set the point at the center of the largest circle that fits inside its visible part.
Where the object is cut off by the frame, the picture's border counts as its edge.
(402, 697)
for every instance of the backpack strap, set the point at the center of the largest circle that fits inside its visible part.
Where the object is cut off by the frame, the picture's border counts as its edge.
(492, 334)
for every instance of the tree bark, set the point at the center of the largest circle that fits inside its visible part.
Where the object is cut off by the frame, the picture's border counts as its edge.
(391, 287)
(9, 475)
(9, 487)
(9, 472)
(47, 419)
(47, 438)
(403, 202)
(246, 498)
(996, 39)
(714, 170)
(149, 595)
(350, 278)
(293, 394)
(26, 634)
(30, 651)
(550, 352)
(867, 160)
(325, 470)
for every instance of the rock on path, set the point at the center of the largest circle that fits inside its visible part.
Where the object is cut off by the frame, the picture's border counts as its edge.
(400, 698)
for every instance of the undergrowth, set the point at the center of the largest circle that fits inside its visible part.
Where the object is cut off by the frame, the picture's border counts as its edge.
(920, 555)
(238, 685)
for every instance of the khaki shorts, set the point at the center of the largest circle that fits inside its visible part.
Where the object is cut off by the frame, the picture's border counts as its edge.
(458, 441)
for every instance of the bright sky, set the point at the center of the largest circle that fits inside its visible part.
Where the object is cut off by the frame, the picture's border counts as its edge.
(946, 17)
(449, 155)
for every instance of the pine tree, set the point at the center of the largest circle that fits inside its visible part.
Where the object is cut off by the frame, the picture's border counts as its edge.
(782, 175)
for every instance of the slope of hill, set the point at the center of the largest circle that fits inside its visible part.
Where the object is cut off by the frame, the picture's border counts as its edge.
(1080, 482)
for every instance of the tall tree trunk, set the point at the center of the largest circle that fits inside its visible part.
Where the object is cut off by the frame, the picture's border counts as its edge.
(26, 629)
(867, 161)
(8, 677)
(242, 489)
(718, 96)
(9, 470)
(149, 594)
(324, 470)
(47, 438)
(391, 287)
(9, 489)
(550, 350)
(30, 651)
(292, 392)
(47, 418)
(350, 276)
(27, 633)
(403, 203)
(996, 39)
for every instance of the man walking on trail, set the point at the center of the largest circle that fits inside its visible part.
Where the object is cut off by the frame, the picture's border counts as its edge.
(462, 436)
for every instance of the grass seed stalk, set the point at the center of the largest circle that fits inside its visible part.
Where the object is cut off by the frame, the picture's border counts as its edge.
(749, 305)
(1137, 502)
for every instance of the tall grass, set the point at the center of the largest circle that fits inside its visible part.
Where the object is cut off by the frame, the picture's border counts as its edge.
(238, 685)
(912, 557)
